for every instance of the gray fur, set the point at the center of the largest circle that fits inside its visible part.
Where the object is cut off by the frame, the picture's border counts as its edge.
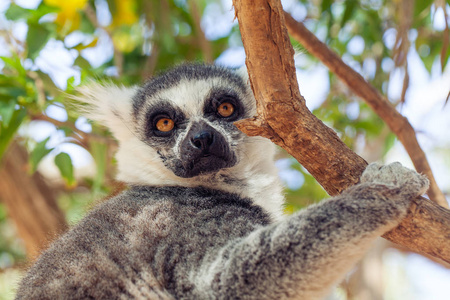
(184, 72)
(213, 236)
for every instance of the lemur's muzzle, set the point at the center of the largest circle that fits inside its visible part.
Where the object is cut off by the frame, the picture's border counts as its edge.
(205, 150)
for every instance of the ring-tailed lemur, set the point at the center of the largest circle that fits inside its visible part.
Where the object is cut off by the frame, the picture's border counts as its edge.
(202, 218)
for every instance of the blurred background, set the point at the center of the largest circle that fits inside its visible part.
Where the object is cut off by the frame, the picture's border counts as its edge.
(56, 165)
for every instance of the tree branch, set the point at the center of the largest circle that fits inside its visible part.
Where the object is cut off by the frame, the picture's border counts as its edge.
(84, 137)
(118, 56)
(150, 62)
(396, 122)
(201, 39)
(30, 202)
(284, 118)
(39, 86)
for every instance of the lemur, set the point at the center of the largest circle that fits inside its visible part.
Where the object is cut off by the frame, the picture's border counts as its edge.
(203, 215)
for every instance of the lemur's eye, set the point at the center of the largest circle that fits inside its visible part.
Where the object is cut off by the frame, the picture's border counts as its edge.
(165, 124)
(225, 109)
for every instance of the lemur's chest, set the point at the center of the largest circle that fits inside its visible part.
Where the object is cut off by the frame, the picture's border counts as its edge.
(183, 223)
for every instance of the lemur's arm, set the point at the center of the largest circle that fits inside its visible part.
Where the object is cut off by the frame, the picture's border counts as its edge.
(304, 255)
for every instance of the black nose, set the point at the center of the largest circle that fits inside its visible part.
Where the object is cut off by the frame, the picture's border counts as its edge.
(203, 140)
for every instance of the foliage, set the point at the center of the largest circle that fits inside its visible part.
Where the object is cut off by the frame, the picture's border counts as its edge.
(127, 41)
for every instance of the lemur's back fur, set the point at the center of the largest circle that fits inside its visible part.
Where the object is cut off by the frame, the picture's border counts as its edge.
(214, 234)
(146, 241)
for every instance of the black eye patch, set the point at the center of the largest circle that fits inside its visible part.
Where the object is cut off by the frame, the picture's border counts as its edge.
(159, 111)
(218, 97)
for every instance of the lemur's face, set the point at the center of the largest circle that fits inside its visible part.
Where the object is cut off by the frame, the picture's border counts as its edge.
(187, 115)
(178, 128)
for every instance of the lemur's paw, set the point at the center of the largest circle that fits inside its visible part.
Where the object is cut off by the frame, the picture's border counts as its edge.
(395, 175)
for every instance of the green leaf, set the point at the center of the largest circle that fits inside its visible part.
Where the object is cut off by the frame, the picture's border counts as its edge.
(350, 6)
(420, 6)
(309, 192)
(16, 12)
(445, 54)
(12, 92)
(326, 5)
(14, 63)
(99, 153)
(112, 6)
(7, 132)
(49, 85)
(82, 62)
(38, 153)
(64, 164)
(37, 38)
(389, 143)
(86, 25)
(6, 111)
(42, 10)
(70, 84)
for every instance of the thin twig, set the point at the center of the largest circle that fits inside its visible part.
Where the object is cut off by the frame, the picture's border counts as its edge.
(85, 137)
(16, 46)
(205, 45)
(39, 86)
(118, 56)
(446, 99)
(150, 63)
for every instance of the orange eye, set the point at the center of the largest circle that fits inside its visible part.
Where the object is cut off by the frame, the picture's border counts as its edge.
(165, 124)
(225, 109)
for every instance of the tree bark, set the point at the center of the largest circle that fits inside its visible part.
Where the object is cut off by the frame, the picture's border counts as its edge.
(385, 110)
(29, 201)
(284, 118)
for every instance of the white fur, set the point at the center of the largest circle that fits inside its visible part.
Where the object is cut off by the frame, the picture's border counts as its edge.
(139, 164)
(109, 105)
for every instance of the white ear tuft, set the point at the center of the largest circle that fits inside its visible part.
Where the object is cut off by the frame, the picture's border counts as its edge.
(110, 105)
(243, 73)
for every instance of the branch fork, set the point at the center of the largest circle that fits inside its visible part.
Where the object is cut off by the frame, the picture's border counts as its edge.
(270, 64)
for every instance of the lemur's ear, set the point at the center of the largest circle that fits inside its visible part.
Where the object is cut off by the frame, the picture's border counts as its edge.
(110, 105)
(242, 71)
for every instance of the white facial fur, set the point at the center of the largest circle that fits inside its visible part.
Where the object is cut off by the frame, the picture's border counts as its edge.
(254, 175)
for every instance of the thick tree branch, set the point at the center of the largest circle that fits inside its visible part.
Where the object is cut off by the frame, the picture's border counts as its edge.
(30, 202)
(284, 118)
(396, 122)
(272, 74)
